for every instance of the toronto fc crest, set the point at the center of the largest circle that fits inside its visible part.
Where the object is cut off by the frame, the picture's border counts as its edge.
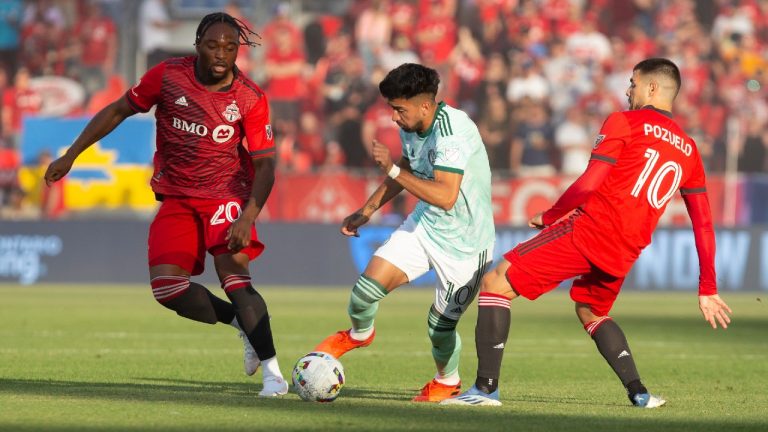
(232, 112)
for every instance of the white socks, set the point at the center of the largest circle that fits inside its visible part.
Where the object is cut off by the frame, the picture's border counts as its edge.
(361, 335)
(452, 379)
(269, 367)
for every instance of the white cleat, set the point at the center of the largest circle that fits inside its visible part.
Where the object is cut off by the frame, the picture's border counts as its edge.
(474, 397)
(274, 386)
(647, 400)
(251, 361)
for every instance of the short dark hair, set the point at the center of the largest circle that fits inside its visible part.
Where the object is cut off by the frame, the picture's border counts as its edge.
(243, 32)
(661, 66)
(409, 80)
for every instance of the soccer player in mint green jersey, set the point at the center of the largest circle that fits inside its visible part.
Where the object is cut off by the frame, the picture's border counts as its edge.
(443, 164)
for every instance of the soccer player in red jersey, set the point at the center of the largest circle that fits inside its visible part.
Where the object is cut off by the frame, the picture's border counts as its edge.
(640, 159)
(212, 184)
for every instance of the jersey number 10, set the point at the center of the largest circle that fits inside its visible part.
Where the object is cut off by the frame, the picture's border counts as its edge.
(655, 198)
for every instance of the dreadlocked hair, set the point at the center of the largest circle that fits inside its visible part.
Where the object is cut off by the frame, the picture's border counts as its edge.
(243, 31)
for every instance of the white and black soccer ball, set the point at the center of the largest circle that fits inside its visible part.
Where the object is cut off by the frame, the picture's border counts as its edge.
(318, 377)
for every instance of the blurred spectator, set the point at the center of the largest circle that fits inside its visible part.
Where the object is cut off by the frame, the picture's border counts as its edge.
(18, 101)
(527, 82)
(532, 145)
(348, 95)
(435, 33)
(403, 14)
(3, 88)
(95, 40)
(10, 161)
(467, 70)
(378, 125)
(115, 88)
(243, 62)
(400, 52)
(373, 31)
(284, 68)
(155, 25)
(10, 33)
(494, 80)
(309, 142)
(46, 11)
(282, 24)
(48, 199)
(18, 208)
(572, 138)
(495, 128)
(588, 44)
(752, 157)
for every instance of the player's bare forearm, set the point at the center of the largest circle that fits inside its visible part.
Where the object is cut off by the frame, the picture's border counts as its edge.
(263, 180)
(441, 192)
(100, 125)
(104, 122)
(382, 195)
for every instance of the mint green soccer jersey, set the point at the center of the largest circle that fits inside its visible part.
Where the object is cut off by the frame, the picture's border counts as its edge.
(453, 144)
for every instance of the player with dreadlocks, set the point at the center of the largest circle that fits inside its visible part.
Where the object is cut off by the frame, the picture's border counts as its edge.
(213, 171)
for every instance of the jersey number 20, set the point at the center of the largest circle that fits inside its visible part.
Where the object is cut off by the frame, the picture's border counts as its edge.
(655, 198)
(225, 213)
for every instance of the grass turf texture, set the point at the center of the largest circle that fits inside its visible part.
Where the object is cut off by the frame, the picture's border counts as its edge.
(110, 358)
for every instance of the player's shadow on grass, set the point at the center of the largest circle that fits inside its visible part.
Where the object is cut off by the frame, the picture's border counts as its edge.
(364, 406)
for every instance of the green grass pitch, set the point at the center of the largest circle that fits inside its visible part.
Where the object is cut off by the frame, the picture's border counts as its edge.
(109, 358)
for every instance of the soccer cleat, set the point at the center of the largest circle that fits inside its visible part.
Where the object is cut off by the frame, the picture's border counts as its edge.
(647, 400)
(434, 391)
(341, 342)
(274, 386)
(251, 360)
(473, 396)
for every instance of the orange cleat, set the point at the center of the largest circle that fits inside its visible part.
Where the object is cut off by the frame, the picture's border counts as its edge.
(433, 391)
(341, 342)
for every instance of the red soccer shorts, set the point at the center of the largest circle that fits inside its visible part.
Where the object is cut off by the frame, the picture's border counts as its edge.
(540, 264)
(185, 228)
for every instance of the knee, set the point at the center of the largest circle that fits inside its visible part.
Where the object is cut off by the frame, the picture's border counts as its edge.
(584, 313)
(167, 288)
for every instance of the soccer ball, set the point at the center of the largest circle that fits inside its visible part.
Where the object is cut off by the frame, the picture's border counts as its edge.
(318, 377)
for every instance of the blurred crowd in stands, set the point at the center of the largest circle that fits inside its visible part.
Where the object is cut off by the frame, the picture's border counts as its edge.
(537, 76)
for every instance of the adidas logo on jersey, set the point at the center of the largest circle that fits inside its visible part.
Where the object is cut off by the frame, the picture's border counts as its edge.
(181, 101)
(623, 354)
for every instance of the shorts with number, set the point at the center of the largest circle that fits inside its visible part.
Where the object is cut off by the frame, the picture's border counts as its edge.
(540, 264)
(185, 228)
(458, 281)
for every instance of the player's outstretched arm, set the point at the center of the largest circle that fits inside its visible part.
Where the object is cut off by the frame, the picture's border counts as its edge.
(100, 125)
(715, 310)
(382, 195)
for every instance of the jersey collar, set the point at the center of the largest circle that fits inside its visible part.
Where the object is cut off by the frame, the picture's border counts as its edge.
(426, 133)
(660, 111)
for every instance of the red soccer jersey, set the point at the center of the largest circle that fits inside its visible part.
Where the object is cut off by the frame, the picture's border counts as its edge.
(652, 159)
(199, 132)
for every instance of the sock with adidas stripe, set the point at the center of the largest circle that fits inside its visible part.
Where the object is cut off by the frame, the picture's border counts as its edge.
(446, 346)
(612, 344)
(363, 305)
(491, 332)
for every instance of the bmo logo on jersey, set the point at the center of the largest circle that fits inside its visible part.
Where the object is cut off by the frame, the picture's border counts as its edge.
(193, 128)
(220, 134)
